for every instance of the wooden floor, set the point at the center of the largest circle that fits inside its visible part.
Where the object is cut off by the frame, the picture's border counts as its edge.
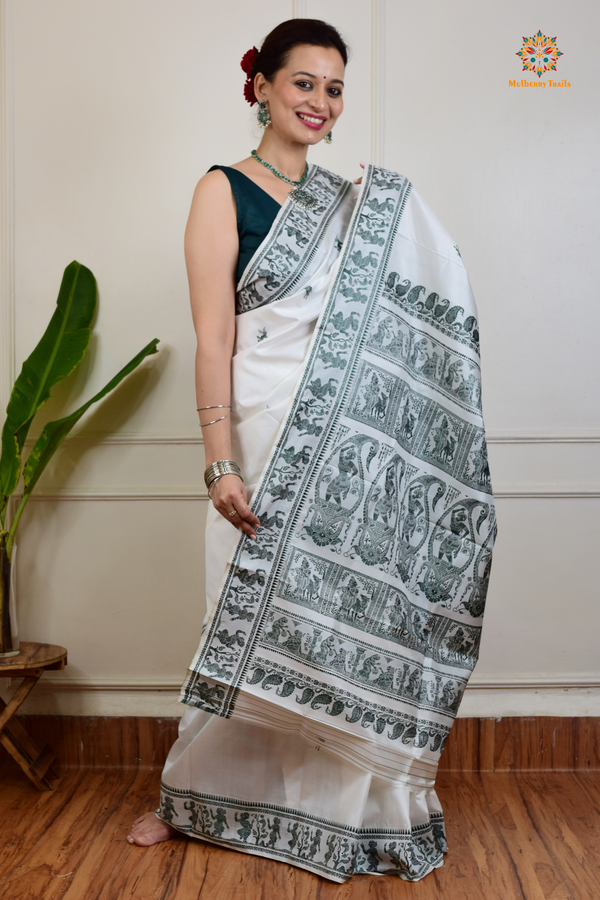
(533, 836)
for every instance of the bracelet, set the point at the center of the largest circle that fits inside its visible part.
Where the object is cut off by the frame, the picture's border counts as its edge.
(217, 406)
(217, 469)
(220, 419)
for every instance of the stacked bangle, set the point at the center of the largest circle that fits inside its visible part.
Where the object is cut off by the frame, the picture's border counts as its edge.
(217, 469)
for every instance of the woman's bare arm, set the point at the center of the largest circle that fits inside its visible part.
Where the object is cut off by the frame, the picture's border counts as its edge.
(211, 251)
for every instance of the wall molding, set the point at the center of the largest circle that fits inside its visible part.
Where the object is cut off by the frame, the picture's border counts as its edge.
(509, 493)
(167, 439)
(377, 82)
(557, 438)
(7, 263)
(120, 495)
(582, 681)
(299, 9)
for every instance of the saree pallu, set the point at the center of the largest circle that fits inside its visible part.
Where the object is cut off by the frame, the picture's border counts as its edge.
(338, 645)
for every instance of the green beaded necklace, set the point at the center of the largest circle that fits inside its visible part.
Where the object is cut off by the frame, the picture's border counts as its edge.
(278, 174)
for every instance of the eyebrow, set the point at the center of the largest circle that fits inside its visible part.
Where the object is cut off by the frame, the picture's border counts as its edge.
(310, 75)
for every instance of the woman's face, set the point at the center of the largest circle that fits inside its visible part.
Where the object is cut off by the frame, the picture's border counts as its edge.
(305, 97)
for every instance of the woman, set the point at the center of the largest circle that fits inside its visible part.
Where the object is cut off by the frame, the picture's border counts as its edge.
(344, 622)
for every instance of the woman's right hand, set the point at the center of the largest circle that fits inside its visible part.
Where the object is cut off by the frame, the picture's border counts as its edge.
(228, 494)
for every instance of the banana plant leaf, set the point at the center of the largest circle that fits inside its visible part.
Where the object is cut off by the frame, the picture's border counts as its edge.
(55, 432)
(60, 350)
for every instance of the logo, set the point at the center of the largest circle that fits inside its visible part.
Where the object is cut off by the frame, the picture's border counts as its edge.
(539, 54)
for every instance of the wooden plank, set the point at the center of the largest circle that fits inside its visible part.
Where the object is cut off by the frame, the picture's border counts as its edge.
(534, 743)
(512, 744)
(511, 837)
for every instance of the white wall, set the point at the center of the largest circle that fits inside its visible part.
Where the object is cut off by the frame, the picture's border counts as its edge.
(111, 111)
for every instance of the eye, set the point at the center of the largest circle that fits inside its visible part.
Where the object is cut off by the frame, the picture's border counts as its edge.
(303, 84)
(335, 92)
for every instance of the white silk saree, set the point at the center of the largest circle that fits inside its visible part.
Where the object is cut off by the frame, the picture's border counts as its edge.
(338, 645)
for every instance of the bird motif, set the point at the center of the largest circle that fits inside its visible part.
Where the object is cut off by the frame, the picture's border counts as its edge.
(323, 390)
(343, 324)
(363, 261)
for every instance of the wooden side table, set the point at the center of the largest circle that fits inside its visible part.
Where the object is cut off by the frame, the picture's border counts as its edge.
(29, 665)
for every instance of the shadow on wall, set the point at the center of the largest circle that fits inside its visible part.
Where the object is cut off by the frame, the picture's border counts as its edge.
(109, 418)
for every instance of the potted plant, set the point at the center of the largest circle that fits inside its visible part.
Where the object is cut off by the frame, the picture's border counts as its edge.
(59, 352)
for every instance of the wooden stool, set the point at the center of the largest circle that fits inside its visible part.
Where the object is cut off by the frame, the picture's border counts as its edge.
(29, 665)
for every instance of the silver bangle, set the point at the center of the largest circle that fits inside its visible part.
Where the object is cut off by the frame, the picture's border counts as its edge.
(220, 468)
(220, 419)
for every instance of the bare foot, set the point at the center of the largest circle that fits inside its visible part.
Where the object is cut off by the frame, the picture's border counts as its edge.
(149, 830)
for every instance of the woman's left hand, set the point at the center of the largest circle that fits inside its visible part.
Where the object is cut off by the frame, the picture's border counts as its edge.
(358, 180)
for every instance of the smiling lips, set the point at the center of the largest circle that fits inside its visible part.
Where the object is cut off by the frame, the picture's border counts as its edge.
(315, 122)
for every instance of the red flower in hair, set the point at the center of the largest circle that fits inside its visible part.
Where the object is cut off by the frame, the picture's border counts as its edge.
(247, 64)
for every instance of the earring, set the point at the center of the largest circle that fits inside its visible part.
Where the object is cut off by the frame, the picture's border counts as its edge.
(328, 138)
(264, 117)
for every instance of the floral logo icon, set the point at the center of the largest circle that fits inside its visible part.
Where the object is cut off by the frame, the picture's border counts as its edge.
(539, 53)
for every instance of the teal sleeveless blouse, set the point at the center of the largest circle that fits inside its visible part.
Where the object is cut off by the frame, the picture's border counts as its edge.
(256, 212)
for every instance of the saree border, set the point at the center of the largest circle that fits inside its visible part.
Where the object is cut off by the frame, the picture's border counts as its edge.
(319, 845)
(291, 242)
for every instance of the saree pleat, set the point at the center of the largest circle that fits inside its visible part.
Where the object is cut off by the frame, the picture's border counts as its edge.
(337, 647)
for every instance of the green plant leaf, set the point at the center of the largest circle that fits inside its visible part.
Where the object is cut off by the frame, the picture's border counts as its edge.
(55, 432)
(58, 353)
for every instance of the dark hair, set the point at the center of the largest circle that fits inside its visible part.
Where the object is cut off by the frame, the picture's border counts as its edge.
(277, 45)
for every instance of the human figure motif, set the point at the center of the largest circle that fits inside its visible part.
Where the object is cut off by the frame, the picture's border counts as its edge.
(407, 423)
(315, 844)
(352, 602)
(385, 502)
(279, 630)
(441, 440)
(419, 354)
(386, 679)
(397, 616)
(194, 811)
(458, 643)
(274, 833)
(294, 643)
(219, 822)
(339, 486)
(167, 809)
(294, 830)
(371, 666)
(326, 649)
(375, 400)
(412, 686)
(430, 367)
(393, 850)
(414, 509)
(246, 825)
(452, 543)
(384, 330)
(339, 662)
(448, 694)
(304, 580)
(454, 373)
(373, 857)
